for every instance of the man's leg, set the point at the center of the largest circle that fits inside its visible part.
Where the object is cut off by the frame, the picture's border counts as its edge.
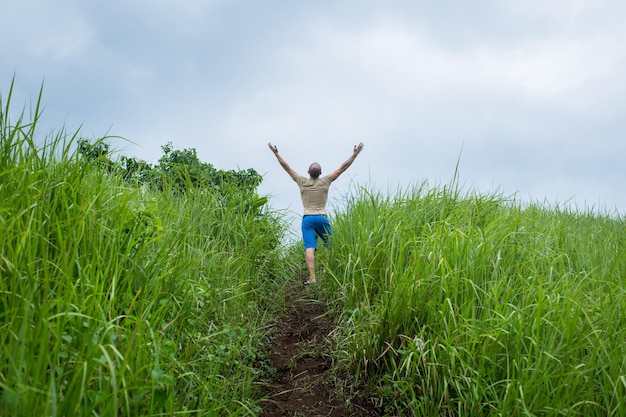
(309, 257)
(322, 228)
(310, 244)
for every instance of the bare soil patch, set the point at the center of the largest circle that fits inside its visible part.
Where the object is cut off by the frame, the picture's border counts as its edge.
(298, 349)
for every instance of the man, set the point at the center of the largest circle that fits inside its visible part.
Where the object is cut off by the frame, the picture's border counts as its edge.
(314, 193)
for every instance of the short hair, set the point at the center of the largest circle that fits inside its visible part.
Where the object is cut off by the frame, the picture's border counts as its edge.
(315, 170)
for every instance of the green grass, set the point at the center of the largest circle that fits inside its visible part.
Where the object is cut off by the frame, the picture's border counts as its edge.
(118, 301)
(465, 304)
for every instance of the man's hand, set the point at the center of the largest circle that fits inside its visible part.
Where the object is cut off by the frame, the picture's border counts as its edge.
(293, 174)
(273, 148)
(357, 149)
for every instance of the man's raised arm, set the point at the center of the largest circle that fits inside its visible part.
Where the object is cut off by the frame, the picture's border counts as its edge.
(293, 174)
(357, 149)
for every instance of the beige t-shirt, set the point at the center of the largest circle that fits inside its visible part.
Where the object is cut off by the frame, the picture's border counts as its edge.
(314, 194)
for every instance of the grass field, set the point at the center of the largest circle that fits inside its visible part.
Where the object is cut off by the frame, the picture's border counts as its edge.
(123, 300)
(470, 305)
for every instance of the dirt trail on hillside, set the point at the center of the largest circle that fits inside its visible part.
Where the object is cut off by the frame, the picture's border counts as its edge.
(303, 385)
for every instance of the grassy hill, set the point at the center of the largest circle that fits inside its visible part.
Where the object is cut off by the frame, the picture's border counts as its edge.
(461, 304)
(132, 290)
(118, 298)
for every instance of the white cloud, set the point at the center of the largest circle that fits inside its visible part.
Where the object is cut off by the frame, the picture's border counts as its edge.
(530, 90)
(557, 69)
(46, 30)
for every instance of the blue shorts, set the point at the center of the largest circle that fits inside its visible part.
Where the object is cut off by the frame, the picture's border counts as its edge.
(314, 225)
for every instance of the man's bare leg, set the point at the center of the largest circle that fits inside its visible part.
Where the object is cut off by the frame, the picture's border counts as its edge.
(309, 257)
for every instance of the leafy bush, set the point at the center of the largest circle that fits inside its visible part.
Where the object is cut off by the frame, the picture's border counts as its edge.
(178, 170)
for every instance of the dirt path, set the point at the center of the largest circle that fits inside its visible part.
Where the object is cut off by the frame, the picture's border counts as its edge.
(298, 350)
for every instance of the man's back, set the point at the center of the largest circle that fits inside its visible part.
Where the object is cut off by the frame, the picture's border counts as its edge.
(314, 193)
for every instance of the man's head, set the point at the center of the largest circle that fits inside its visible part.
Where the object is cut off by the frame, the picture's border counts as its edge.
(315, 170)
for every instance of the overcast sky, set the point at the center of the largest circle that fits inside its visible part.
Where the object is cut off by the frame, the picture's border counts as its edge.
(529, 97)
